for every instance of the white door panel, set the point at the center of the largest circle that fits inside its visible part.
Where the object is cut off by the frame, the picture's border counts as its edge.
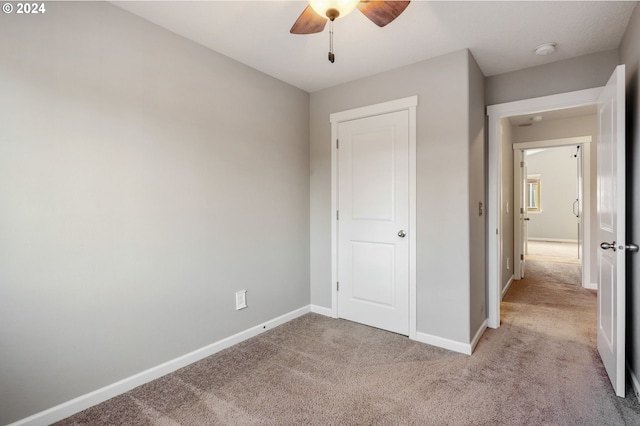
(372, 176)
(611, 230)
(372, 267)
(373, 204)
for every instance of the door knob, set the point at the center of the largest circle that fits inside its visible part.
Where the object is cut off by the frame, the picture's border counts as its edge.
(402, 234)
(526, 218)
(606, 246)
(632, 248)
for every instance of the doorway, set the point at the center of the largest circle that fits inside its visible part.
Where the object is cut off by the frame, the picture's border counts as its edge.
(496, 181)
(552, 195)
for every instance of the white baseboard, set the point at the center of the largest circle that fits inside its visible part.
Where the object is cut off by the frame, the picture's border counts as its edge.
(327, 312)
(592, 286)
(441, 342)
(506, 287)
(553, 240)
(634, 382)
(90, 399)
(478, 335)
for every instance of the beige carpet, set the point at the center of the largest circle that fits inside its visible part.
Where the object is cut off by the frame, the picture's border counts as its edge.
(552, 248)
(551, 251)
(553, 272)
(539, 368)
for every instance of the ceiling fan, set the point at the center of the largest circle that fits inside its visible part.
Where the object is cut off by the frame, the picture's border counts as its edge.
(314, 17)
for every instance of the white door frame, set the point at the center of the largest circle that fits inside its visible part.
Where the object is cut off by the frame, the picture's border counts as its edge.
(410, 105)
(495, 113)
(585, 142)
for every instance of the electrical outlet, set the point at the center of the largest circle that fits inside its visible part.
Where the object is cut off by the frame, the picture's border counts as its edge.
(241, 299)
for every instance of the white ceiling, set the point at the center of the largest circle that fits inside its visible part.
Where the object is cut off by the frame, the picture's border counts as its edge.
(501, 35)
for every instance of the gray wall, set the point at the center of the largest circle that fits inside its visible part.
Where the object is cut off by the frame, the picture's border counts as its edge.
(583, 72)
(558, 191)
(144, 179)
(507, 201)
(630, 56)
(443, 192)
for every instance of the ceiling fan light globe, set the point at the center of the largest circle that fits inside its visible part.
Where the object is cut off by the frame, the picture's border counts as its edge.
(344, 7)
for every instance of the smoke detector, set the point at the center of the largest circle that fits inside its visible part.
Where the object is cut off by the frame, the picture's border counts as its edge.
(545, 49)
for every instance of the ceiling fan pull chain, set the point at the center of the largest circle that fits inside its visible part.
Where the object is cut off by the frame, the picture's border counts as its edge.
(332, 57)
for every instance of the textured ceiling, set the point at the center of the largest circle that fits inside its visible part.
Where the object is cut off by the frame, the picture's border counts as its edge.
(500, 35)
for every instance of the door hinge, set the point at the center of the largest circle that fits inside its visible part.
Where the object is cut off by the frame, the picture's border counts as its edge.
(522, 257)
(338, 286)
(521, 210)
(337, 214)
(522, 164)
(337, 143)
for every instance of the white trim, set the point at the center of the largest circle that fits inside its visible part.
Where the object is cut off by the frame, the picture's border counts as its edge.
(413, 298)
(550, 143)
(506, 287)
(327, 312)
(376, 109)
(69, 408)
(553, 240)
(478, 335)
(495, 113)
(591, 286)
(634, 382)
(410, 104)
(441, 342)
(519, 212)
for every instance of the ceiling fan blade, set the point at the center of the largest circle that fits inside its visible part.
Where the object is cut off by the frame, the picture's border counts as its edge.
(309, 22)
(382, 12)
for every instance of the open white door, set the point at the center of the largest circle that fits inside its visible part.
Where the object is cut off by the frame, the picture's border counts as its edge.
(611, 230)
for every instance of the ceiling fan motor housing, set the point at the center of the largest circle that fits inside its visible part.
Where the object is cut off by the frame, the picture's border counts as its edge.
(332, 14)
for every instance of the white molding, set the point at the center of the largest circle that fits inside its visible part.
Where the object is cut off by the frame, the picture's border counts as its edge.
(634, 382)
(591, 286)
(550, 143)
(376, 109)
(495, 113)
(479, 333)
(506, 287)
(409, 104)
(553, 240)
(69, 408)
(441, 342)
(546, 103)
(413, 209)
(327, 312)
